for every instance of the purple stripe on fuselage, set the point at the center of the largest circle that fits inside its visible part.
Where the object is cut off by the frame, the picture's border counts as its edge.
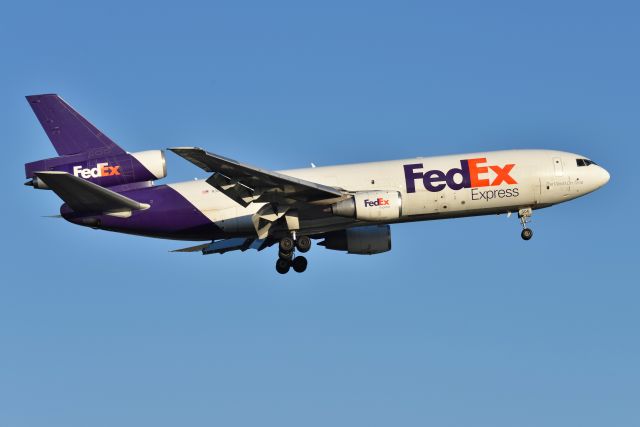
(170, 216)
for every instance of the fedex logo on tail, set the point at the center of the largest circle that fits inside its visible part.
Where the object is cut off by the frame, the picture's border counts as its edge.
(101, 169)
(378, 202)
(472, 173)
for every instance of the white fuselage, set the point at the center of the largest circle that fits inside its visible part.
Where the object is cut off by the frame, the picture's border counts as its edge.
(429, 187)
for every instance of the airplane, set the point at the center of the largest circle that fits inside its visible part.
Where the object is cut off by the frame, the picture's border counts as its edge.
(238, 206)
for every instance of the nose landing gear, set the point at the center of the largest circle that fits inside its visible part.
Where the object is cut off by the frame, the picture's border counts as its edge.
(525, 218)
(286, 259)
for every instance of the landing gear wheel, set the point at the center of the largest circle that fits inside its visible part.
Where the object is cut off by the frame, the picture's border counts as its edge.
(303, 244)
(525, 216)
(299, 264)
(285, 255)
(283, 266)
(287, 244)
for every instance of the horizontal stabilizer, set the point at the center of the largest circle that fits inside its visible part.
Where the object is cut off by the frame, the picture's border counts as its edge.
(69, 132)
(86, 197)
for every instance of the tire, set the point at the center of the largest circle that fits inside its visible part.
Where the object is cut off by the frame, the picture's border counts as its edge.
(283, 266)
(526, 234)
(303, 244)
(299, 264)
(287, 244)
(285, 255)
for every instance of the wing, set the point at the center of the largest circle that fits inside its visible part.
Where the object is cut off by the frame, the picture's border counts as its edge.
(227, 245)
(246, 184)
(85, 196)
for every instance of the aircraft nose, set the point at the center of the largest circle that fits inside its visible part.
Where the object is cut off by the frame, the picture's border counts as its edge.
(603, 176)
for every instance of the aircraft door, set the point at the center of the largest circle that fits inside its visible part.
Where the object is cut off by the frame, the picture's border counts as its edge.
(556, 187)
(557, 166)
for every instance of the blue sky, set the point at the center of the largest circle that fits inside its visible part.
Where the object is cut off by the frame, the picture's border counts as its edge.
(461, 324)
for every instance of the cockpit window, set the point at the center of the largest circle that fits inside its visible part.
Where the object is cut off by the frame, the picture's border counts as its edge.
(585, 162)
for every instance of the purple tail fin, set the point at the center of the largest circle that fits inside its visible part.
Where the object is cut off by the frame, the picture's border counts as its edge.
(69, 132)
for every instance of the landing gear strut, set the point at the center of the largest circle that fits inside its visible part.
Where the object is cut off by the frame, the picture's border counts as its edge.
(286, 259)
(525, 218)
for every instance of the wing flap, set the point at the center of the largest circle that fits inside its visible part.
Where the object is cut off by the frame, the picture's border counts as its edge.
(84, 196)
(239, 193)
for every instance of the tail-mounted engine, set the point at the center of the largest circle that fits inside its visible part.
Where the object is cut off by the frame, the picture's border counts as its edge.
(106, 171)
(370, 206)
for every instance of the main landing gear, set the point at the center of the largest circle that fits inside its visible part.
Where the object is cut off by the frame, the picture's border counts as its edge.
(525, 218)
(286, 259)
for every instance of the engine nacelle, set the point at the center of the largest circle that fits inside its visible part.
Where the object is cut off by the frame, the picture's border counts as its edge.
(154, 161)
(370, 206)
(107, 171)
(368, 240)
